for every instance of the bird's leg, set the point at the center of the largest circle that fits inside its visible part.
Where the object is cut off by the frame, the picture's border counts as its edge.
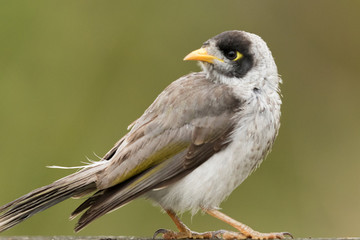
(179, 224)
(243, 229)
(184, 231)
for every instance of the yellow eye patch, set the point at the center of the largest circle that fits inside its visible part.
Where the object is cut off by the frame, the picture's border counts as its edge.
(238, 56)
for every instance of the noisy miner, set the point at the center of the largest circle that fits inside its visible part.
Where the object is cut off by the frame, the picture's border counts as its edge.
(200, 138)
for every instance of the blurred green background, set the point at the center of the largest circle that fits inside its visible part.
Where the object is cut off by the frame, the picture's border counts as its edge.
(74, 74)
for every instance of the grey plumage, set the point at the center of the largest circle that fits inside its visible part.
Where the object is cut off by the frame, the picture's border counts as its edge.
(202, 136)
(196, 144)
(76, 184)
(172, 120)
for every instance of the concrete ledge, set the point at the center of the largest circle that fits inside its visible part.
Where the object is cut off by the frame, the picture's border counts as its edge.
(125, 238)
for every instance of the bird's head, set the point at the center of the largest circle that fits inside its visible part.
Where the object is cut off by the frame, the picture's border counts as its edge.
(234, 55)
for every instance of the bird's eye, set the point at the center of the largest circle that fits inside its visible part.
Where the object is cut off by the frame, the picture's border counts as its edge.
(233, 55)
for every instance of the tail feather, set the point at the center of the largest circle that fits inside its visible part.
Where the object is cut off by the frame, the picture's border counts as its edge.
(87, 203)
(108, 200)
(76, 184)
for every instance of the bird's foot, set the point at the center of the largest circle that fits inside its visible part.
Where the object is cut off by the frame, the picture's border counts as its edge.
(243, 229)
(229, 235)
(266, 236)
(221, 234)
(184, 232)
(168, 234)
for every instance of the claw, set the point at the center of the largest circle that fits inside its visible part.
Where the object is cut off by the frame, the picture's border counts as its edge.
(217, 234)
(160, 231)
(287, 234)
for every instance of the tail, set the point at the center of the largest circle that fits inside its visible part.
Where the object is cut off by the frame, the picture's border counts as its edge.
(74, 185)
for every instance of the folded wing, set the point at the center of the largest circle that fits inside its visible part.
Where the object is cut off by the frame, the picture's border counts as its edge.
(189, 122)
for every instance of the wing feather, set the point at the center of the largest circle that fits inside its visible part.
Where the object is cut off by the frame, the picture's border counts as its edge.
(189, 122)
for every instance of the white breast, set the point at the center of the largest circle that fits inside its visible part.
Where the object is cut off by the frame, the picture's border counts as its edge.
(209, 184)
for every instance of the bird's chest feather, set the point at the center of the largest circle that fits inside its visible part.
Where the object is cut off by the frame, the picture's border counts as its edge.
(210, 183)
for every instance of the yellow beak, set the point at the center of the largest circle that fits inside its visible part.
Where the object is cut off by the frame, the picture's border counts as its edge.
(201, 55)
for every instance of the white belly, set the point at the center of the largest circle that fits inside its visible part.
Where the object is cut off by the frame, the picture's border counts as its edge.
(209, 184)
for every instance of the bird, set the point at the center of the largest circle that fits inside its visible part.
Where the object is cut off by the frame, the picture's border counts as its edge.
(198, 141)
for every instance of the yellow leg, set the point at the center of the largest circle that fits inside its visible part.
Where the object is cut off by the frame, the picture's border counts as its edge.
(244, 229)
(185, 232)
(179, 224)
